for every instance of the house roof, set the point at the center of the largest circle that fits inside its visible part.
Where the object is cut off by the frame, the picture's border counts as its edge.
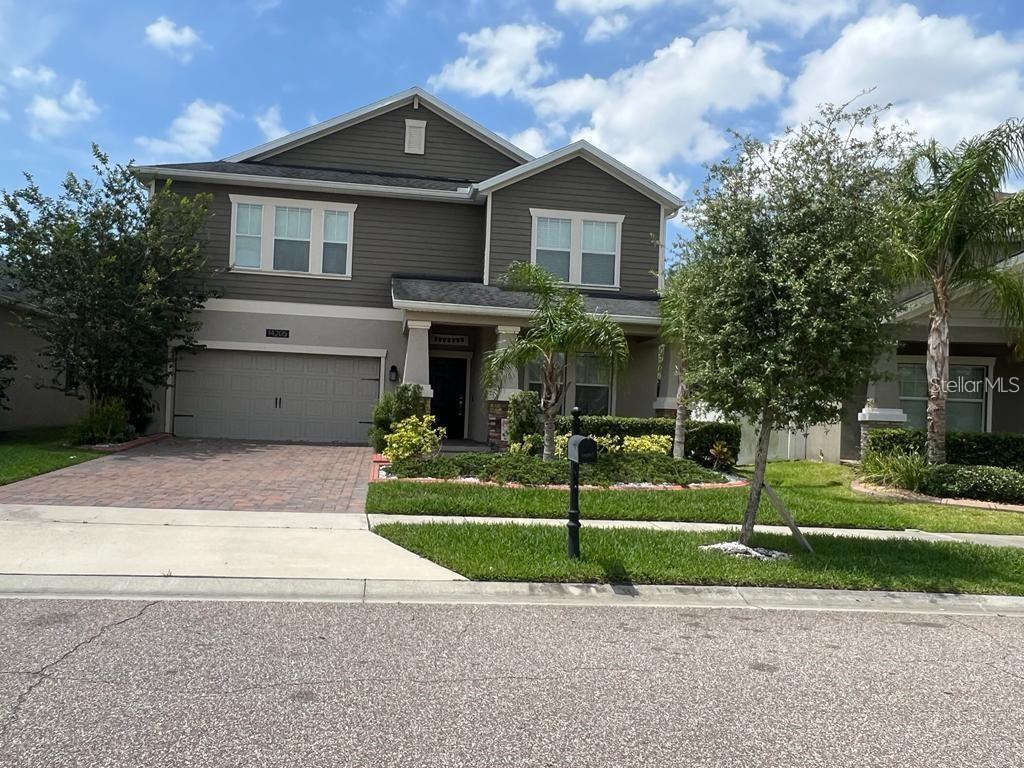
(322, 179)
(319, 130)
(918, 303)
(429, 294)
(595, 156)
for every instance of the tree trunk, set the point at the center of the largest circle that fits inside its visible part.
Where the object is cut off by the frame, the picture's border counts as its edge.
(679, 440)
(938, 375)
(549, 436)
(757, 483)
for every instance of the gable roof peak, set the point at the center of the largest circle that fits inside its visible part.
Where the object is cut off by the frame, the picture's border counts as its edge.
(400, 99)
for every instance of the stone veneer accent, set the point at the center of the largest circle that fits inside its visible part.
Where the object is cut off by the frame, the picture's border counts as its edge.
(497, 412)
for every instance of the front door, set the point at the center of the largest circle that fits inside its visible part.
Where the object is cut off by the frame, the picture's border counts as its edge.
(448, 380)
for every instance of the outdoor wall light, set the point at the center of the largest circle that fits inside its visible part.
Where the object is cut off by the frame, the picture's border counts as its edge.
(393, 373)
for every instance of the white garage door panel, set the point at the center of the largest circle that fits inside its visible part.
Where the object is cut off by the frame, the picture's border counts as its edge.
(323, 398)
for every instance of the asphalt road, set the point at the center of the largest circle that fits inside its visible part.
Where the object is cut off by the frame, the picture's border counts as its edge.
(104, 683)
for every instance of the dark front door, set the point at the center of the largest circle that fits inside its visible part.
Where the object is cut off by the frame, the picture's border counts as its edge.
(448, 380)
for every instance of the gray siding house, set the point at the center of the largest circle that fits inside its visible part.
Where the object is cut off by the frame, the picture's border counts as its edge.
(367, 251)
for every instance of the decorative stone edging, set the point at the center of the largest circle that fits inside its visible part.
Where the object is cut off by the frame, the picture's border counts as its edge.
(902, 495)
(379, 462)
(129, 444)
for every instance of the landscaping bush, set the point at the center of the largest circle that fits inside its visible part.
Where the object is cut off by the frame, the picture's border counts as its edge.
(104, 422)
(974, 482)
(524, 416)
(701, 436)
(992, 449)
(403, 401)
(898, 469)
(647, 444)
(413, 438)
(532, 470)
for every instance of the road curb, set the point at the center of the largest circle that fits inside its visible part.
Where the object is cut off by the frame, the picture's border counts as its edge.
(366, 591)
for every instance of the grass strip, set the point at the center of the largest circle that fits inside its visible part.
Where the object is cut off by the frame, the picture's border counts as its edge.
(35, 451)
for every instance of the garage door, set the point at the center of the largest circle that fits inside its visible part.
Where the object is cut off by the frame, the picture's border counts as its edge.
(275, 396)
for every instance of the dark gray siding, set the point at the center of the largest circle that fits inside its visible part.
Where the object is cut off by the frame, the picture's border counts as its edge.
(577, 185)
(389, 236)
(378, 144)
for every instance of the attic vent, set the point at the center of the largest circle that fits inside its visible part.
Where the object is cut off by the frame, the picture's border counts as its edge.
(415, 136)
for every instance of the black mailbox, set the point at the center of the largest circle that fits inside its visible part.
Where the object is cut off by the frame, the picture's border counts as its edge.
(582, 449)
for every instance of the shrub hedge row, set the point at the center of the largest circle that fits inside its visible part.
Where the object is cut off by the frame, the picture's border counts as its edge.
(990, 449)
(532, 470)
(700, 435)
(956, 481)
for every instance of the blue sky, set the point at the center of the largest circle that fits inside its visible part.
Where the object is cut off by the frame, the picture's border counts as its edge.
(654, 82)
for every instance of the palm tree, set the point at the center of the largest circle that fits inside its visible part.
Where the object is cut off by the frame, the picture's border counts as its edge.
(673, 331)
(559, 327)
(958, 231)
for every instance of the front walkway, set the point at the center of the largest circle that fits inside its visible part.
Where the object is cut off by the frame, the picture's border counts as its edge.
(180, 473)
(991, 539)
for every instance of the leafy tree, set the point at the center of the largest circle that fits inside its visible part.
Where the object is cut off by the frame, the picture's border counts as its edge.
(785, 283)
(116, 277)
(7, 364)
(559, 327)
(957, 228)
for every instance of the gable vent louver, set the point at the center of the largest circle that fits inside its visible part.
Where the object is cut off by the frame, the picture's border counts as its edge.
(415, 136)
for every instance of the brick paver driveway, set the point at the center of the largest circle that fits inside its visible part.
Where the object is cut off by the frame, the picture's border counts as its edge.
(209, 474)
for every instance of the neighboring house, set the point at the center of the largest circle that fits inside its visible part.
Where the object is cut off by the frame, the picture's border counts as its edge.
(986, 392)
(367, 250)
(31, 399)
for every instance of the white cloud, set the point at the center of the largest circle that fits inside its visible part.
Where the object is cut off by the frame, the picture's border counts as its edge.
(656, 112)
(941, 76)
(54, 116)
(606, 27)
(168, 37)
(193, 134)
(270, 124)
(796, 16)
(25, 76)
(531, 140)
(499, 61)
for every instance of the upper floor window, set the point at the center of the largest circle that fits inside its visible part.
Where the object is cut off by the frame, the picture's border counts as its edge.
(578, 248)
(291, 237)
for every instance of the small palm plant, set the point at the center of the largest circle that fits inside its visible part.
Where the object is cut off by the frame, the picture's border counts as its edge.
(958, 230)
(559, 327)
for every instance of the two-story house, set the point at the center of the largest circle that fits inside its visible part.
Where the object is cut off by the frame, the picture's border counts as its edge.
(367, 250)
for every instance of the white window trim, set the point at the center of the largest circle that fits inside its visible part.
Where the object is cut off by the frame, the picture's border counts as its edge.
(569, 398)
(410, 126)
(576, 242)
(989, 365)
(316, 235)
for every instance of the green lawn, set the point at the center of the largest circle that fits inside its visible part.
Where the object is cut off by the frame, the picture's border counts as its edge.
(35, 451)
(537, 553)
(818, 495)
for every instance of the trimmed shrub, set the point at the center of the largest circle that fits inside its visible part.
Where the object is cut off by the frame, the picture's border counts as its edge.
(647, 444)
(701, 436)
(974, 482)
(532, 470)
(413, 438)
(898, 469)
(403, 401)
(104, 422)
(991, 449)
(524, 416)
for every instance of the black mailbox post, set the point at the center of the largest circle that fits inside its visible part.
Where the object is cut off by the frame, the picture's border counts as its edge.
(582, 450)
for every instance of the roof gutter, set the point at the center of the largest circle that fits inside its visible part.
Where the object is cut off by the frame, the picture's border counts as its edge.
(148, 173)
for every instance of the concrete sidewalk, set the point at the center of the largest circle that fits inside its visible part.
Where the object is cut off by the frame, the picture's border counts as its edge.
(991, 539)
(117, 541)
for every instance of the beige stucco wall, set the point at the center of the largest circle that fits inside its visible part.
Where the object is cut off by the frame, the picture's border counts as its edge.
(31, 403)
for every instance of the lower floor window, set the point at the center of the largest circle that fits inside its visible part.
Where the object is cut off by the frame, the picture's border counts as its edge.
(591, 384)
(967, 400)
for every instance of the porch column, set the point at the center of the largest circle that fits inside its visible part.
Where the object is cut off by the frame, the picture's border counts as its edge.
(882, 409)
(668, 383)
(417, 356)
(497, 407)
